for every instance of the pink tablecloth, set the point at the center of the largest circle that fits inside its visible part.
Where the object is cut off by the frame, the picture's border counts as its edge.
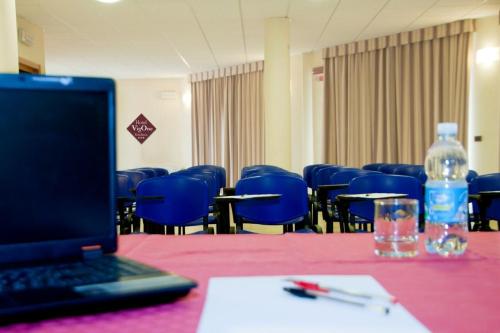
(447, 295)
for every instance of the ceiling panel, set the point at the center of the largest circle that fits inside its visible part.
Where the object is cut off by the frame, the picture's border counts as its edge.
(307, 21)
(175, 22)
(220, 21)
(350, 19)
(150, 38)
(254, 14)
(485, 10)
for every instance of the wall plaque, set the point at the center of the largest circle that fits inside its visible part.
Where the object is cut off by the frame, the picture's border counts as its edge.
(141, 128)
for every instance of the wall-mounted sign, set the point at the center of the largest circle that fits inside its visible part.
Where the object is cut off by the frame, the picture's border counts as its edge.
(141, 128)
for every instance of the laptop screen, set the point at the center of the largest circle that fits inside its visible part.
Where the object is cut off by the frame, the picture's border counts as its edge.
(54, 169)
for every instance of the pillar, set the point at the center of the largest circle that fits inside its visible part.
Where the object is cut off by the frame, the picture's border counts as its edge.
(9, 59)
(277, 92)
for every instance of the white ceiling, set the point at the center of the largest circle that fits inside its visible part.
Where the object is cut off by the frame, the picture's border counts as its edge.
(168, 38)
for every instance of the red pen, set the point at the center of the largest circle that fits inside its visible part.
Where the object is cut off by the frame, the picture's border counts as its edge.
(313, 286)
(311, 294)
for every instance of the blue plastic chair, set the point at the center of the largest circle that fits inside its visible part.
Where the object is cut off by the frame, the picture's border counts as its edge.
(344, 176)
(135, 177)
(247, 171)
(412, 170)
(160, 172)
(255, 173)
(489, 182)
(373, 166)
(390, 168)
(220, 173)
(175, 201)
(328, 206)
(150, 172)
(123, 185)
(208, 177)
(381, 183)
(307, 173)
(123, 202)
(290, 208)
(321, 177)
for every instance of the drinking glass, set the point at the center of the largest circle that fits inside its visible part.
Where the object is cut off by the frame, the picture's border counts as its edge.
(396, 227)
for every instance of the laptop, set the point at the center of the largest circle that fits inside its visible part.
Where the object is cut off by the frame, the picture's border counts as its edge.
(57, 212)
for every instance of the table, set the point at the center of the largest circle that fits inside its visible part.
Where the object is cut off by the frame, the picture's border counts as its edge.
(446, 295)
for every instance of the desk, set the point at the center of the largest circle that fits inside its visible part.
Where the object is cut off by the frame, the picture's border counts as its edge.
(446, 295)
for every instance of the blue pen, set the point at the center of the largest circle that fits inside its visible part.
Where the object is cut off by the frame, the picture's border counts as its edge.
(314, 295)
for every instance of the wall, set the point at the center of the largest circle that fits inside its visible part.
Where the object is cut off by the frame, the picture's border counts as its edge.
(484, 107)
(36, 52)
(170, 145)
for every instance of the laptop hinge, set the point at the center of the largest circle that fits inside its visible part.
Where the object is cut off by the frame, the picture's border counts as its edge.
(91, 251)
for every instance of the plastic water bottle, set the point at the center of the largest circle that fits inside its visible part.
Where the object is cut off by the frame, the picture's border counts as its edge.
(446, 194)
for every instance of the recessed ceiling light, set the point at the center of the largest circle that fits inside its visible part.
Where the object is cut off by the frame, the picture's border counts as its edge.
(108, 1)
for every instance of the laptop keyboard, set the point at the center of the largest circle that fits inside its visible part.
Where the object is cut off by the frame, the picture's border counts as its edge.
(100, 270)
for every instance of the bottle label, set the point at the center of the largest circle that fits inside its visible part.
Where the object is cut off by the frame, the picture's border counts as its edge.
(446, 205)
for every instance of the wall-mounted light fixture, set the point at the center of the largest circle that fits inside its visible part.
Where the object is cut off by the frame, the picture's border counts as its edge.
(488, 55)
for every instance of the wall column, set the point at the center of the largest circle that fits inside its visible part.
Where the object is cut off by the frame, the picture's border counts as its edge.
(9, 59)
(484, 103)
(277, 92)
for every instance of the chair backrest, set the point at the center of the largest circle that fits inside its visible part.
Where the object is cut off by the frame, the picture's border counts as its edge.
(382, 183)
(150, 172)
(307, 173)
(344, 176)
(412, 170)
(206, 176)
(314, 173)
(135, 176)
(390, 168)
(160, 172)
(373, 166)
(255, 173)
(292, 205)
(489, 182)
(218, 170)
(322, 176)
(471, 175)
(246, 171)
(185, 200)
(123, 185)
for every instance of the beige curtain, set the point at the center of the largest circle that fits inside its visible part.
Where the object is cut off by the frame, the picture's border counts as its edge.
(385, 96)
(228, 118)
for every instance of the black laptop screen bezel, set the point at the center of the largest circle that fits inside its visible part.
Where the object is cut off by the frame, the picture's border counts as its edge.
(70, 248)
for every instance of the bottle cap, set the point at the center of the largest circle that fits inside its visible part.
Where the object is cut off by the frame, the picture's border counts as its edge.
(447, 129)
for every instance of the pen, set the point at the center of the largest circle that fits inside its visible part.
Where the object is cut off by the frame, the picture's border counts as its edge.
(312, 286)
(303, 293)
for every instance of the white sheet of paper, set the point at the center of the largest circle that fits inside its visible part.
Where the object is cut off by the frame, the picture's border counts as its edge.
(259, 304)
